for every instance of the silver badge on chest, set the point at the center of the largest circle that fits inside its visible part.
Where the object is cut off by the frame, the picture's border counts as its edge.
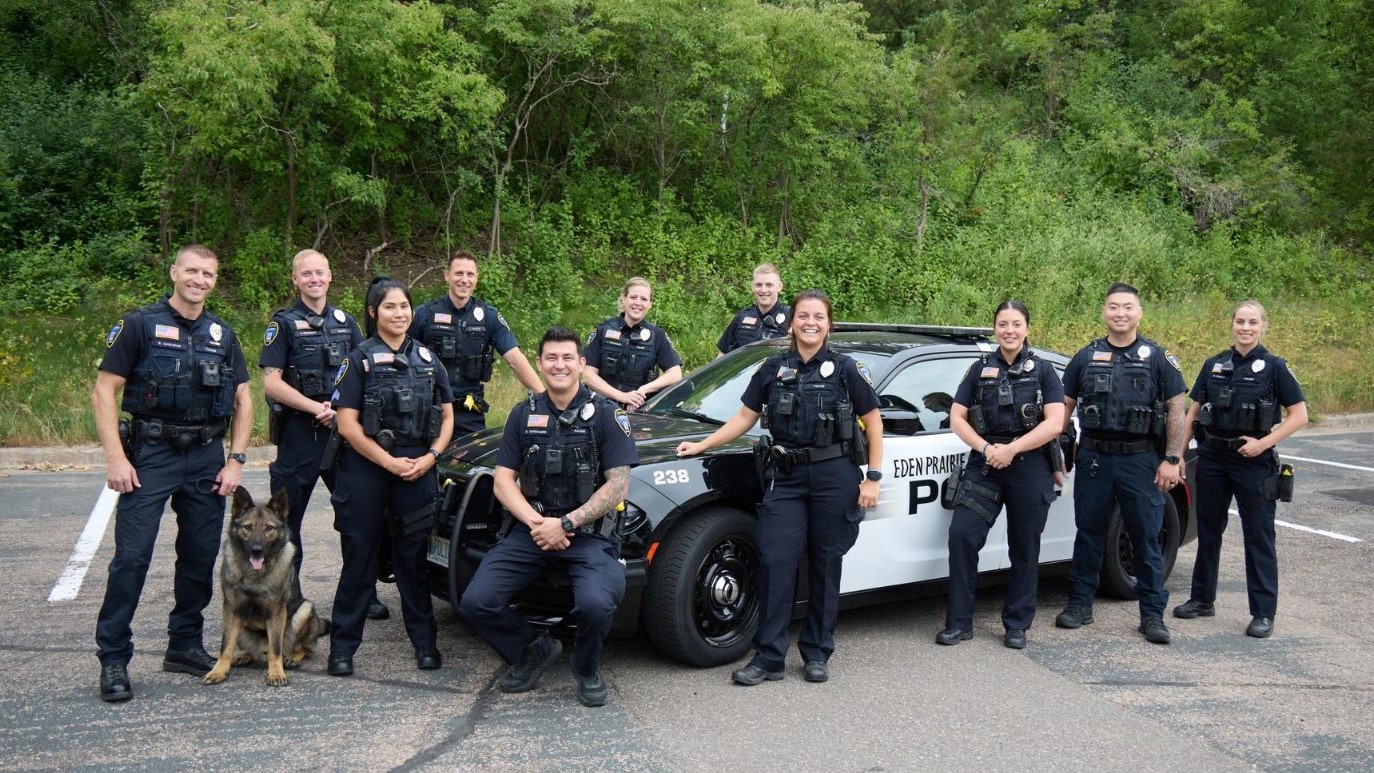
(216, 332)
(339, 315)
(781, 318)
(479, 314)
(1144, 352)
(588, 411)
(644, 334)
(827, 368)
(1258, 366)
(425, 355)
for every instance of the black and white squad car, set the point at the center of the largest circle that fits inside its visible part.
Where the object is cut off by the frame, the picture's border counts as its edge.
(687, 527)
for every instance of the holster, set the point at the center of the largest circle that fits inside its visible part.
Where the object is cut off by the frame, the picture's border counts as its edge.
(763, 458)
(415, 521)
(858, 444)
(332, 446)
(276, 418)
(969, 486)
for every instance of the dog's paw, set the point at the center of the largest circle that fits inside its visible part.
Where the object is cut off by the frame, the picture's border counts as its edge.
(293, 661)
(215, 676)
(243, 658)
(277, 679)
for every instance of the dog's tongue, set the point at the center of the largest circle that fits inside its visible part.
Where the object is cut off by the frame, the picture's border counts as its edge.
(256, 563)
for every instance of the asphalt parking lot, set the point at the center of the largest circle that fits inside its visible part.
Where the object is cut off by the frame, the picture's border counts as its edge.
(1093, 699)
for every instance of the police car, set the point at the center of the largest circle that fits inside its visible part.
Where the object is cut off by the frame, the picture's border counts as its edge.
(687, 528)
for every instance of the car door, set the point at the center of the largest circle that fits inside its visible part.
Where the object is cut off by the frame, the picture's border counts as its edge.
(905, 539)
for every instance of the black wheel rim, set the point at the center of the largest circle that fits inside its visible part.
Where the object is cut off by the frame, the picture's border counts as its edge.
(724, 592)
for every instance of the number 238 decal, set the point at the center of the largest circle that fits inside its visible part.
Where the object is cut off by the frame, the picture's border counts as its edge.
(666, 477)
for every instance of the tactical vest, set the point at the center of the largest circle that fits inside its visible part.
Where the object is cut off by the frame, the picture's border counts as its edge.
(763, 327)
(1008, 402)
(462, 343)
(182, 378)
(318, 345)
(811, 409)
(400, 392)
(560, 465)
(1119, 392)
(1241, 402)
(627, 357)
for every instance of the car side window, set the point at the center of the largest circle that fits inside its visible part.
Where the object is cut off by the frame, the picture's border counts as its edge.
(917, 399)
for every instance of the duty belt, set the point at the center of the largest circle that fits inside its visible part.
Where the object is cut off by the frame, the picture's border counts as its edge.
(1115, 447)
(605, 526)
(1224, 443)
(787, 458)
(180, 436)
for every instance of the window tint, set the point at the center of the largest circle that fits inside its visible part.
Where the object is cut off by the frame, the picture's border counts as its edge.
(918, 398)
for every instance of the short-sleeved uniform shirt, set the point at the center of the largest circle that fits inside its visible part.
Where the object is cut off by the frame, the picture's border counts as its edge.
(750, 324)
(499, 335)
(351, 381)
(125, 344)
(991, 370)
(664, 355)
(1286, 388)
(858, 382)
(1167, 377)
(611, 425)
(279, 340)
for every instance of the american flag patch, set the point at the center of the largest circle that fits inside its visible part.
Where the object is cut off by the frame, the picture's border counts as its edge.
(443, 318)
(1218, 367)
(537, 420)
(612, 335)
(302, 325)
(990, 371)
(749, 321)
(382, 358)
(170, 332)
(1102, 356)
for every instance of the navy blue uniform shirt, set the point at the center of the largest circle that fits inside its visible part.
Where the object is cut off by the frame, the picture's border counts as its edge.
(278, 341)
(611, 425)
(125, 343)
(1286, 387)
(1051, 388)
(348, 384)
(857, 380)
(665, 356)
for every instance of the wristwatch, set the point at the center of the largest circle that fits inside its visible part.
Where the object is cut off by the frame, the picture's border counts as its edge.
(567, 524)
(874, 475)
(1172, 459)
(240, 458)
(434, 454)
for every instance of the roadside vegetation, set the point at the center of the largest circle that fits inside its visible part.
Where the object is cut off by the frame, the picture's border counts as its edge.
(920, 161)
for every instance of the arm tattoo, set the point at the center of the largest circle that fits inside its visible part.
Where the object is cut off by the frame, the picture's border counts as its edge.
(605, 499)
(266, 371)
(1173, 442)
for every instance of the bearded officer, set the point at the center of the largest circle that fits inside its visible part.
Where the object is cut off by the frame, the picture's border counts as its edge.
(185, 383)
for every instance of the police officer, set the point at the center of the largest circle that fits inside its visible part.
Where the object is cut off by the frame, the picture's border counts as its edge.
(813, 500)
(562, 468)
(1009, 409)
(302, 349)
(766, 318)
(395, 412)
(462, 330)
(185, 383)
(624, 352)
(1236, 401)
(1131, 395)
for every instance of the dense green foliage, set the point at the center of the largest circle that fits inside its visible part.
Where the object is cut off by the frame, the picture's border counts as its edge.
(919, 159)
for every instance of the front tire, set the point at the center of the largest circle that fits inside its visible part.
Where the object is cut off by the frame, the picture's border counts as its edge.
(701, 603)
(1118, 559)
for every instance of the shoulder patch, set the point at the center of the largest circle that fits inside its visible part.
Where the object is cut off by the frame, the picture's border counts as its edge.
(113, 335)
(623, 419)
(270, 334)
(590, 337)
(1173, 360)
(343, 368)
(864, 372)
(502, 319)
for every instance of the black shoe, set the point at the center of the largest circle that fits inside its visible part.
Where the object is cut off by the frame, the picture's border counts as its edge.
(537, 657)
(1260, 627)
(195, 661)
(376, 610)
(114, 683)
(951, 636)
(1014, 638)
(1074, 616)
(428, 660)
(591, 690)
(1193, 608)
(1154, 630)
(753, 674)
(340, 665)
(816, 671)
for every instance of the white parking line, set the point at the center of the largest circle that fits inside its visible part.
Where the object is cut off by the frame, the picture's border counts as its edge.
(1329, 464)
(69, 584)
(1309, 529)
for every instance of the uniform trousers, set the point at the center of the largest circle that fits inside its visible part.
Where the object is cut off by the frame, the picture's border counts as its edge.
(297, 467)
(1128, 480)
(814, 509)
(1027, 488)
(466, 421)
(363, 496)
(598, 582)
(188, 479)
(1221, 475)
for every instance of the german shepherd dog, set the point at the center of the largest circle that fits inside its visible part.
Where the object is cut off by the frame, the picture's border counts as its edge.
(264, 611)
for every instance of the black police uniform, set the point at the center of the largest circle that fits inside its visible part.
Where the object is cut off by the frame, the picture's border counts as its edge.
(1239, 395)
(308, 349)
(1004, 402)
(627, 357)
(181, 376)
(1122, 394)
(463, 339)
(399, 396)
(560, 459)
(750, 324)
(811, 496)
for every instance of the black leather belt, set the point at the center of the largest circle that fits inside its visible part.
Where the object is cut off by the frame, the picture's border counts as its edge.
(1224, 443)
(1115, 447)
(181, 436)
(809, 455)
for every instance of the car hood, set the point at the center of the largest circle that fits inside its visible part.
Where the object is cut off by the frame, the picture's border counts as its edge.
(656, 438)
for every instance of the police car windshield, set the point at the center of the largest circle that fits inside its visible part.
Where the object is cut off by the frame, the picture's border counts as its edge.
(713, 393)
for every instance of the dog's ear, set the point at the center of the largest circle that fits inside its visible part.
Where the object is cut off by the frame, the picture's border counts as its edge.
(280, 503)
(242, 500)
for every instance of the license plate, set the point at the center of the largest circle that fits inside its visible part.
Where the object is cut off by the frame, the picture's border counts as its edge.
(438, 551)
